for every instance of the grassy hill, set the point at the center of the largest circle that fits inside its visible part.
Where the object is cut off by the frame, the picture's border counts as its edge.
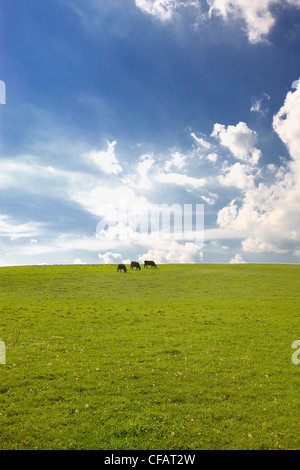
(179, 357)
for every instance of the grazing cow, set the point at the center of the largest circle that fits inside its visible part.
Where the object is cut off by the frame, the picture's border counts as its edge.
(135, 264)
(149, 263)
(122, 267)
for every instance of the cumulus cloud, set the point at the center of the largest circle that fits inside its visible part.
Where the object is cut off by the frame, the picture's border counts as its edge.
(267, 216)
(13, 229)
(141, 173)
(206, 150)
(144, 166)
(256, 14)
(238, 259)
(105, 160)
(259, 104)
(181, 180)
(295, 83)
(238, 175)
(240, 140)
(287, 125)
(174, 253)
(177, 161)
(164, 9)
(113, 203)
(78, 261)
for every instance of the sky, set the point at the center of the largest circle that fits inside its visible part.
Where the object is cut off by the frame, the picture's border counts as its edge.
(149, 129)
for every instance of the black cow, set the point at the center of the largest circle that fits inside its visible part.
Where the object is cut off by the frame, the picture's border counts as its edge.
(149, 263)
(122, 267)
(135, 264)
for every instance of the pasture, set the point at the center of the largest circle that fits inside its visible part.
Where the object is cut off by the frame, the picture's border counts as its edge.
(179, 357)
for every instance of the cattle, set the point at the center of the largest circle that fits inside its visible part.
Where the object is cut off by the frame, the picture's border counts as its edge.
(122, 267)
(135, 264)
(149, 263)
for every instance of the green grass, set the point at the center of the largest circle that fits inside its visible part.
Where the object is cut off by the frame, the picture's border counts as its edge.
(182, 357)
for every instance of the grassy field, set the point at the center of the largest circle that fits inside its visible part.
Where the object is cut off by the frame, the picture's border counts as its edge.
(182, 357)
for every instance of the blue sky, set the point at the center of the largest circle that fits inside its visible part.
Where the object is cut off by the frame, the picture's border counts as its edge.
(134, 104)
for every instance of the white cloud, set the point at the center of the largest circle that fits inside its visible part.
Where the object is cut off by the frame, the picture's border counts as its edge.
(145, 164)
(256, 104)
(256, 14)
(141, 173)
(295, 83)
(205, 149)
(227, 214)
(240, 140)
(177, 161)
(210, 198)
(164, 9)
(110, 257)
(212, 157)
(125, 235)
(238, 259)
(105, 160)
(287, 125)
(174, 253)
(265, 216)
(109, 202)
(268, 215)
(78, 261)
(181, 180)
(238, 175)
(221, 233)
